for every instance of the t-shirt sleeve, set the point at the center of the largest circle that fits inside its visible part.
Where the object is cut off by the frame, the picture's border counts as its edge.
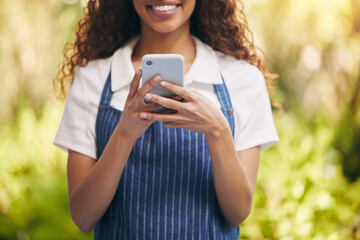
(75, 130)
(255, 125)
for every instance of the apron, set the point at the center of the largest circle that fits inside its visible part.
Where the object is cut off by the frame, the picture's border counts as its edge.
(166, 190)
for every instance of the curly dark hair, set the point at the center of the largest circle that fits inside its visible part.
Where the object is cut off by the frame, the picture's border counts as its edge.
(108, 24)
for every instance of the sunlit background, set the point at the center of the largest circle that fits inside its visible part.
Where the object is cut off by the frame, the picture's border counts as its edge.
(308, 184)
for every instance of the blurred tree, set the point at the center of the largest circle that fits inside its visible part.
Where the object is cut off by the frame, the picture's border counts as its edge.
(33, 34)
(347, 138)
(314, 47)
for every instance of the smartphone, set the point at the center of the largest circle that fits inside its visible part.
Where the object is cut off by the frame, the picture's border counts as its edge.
(170, 67)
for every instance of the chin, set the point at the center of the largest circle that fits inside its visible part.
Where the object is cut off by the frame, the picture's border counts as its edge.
(165, 27)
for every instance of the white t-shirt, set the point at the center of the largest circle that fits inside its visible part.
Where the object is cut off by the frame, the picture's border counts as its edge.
(254, 124)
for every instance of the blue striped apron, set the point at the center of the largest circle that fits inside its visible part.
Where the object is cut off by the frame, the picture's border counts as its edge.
(166, 190)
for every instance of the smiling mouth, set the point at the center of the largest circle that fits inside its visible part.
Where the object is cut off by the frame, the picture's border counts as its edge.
(164, 7)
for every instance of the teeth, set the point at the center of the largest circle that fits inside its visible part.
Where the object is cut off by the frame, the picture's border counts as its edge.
(164, 8)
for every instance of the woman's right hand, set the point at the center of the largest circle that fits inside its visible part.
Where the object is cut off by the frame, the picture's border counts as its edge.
(131, 126)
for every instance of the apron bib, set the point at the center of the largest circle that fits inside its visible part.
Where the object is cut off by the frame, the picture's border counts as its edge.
(166, 190)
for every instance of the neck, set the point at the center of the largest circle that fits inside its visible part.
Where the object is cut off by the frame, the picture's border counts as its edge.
(152, 42)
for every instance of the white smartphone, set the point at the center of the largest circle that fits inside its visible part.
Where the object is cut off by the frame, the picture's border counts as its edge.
(170, 67)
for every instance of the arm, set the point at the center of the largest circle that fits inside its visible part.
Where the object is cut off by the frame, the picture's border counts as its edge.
(234, 176)
(87, 179)
(234, 173)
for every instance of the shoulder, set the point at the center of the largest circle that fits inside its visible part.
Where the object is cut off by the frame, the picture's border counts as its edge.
(93, 73)
(238, 69)
(254, 124)
(89, 81)
(240, 75)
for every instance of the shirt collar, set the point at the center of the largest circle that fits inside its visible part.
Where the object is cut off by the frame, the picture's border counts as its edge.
(122, 70)
(205, 68)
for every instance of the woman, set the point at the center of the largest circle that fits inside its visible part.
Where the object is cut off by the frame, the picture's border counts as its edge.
(137, 174)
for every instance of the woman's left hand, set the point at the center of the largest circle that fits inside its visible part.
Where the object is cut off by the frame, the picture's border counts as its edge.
(196, 113)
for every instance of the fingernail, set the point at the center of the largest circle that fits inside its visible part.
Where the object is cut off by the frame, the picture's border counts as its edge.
(157, 79)
(148, 96)
(177, 98)
(163, 84)
(143, 115)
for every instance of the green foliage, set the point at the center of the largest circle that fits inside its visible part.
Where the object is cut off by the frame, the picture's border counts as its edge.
(301, 192)
(33, 189)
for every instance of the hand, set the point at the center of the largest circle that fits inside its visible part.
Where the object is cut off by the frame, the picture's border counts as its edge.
(165, 110)
(195, 113)
(131, 125)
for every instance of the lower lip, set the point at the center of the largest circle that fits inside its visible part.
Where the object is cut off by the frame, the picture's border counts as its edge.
(164, 14)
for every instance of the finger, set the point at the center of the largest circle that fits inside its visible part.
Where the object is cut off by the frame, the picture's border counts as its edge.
(148, 86)
(134, 85)
(162, 117)
(176, 97)
(148, 122)
(176, 89)
(152, 107)
(166, 102)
